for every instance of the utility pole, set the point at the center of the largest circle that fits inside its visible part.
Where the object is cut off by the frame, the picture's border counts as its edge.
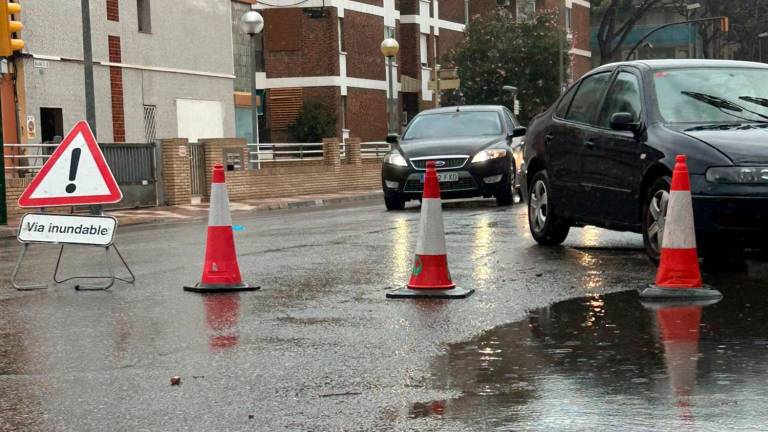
(90, 98)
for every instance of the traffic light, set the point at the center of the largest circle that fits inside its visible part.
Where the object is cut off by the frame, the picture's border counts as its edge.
(8, 27)
(724, 24)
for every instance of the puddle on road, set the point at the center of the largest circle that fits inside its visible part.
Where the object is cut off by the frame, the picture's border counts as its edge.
(614, 362)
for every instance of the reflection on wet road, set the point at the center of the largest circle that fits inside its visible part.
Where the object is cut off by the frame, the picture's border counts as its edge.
(613, 361)
(319, 347)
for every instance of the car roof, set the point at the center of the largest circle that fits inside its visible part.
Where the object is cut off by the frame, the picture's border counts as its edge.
(681, 63)
(460, 108)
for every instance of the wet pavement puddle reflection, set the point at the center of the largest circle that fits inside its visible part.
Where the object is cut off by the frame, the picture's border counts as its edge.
(614, 362)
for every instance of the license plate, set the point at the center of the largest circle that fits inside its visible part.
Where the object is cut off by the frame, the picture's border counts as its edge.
(444, 177)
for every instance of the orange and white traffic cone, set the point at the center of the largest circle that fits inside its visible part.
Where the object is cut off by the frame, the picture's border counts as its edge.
(679, 276)
(220, 271)
(430, 277)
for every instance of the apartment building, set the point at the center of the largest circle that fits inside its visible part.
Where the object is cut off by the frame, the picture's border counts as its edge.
(329, 49)
(161, 69)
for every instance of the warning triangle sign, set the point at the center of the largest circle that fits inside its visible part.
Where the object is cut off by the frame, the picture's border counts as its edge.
(75, 174)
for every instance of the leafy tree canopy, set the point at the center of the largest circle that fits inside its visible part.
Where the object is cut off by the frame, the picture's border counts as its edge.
(499, 51)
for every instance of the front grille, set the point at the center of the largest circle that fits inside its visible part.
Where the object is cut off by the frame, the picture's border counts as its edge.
(450, 162)
(464, 183)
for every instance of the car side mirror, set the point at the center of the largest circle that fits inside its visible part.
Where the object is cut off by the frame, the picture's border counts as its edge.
(518, 131)
(624, 121)
(393, 139)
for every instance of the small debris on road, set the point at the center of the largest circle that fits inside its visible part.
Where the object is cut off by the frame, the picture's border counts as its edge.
(175, 380)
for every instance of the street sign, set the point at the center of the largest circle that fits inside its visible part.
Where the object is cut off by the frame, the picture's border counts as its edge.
(75, 174)
(67, 229)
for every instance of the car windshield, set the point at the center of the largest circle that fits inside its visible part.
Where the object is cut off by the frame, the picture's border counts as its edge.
(454, 124)
(712, 95)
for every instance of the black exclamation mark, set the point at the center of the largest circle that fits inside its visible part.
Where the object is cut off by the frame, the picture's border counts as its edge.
(73, 169)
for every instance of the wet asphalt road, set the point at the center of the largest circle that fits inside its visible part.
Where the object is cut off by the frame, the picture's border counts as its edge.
(553, 339)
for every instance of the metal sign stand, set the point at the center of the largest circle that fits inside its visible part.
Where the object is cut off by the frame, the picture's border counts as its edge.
(111, 278)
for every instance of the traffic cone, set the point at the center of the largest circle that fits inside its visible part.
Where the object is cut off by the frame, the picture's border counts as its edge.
(679, 276)
(430, 277)
(220, 270)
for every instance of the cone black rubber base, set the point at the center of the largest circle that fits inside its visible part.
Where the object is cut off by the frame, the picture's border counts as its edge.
(654, 292)
(431, 293)
(214, 288)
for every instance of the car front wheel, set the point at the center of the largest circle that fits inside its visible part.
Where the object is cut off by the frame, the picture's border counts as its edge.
(546, 226)
(506, 196)
(655, 217)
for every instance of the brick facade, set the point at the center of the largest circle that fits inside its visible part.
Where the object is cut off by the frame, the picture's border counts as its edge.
(362, 39)
(305, 49)
(367, 114)
(295, 178)
(176, 171)
(452, 10)
(314, 53)
(116, 89)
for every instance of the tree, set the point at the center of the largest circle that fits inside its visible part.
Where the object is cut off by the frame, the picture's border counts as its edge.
(617, 20)
(499, 51)
(316, 121)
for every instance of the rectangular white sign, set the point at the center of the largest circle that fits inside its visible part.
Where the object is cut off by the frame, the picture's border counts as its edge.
(70, 229)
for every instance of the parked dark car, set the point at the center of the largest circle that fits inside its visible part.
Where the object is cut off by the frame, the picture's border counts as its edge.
(604, 152)
(472, 150)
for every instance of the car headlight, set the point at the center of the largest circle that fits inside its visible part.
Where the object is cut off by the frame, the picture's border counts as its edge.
(489, 154)
(737, 175)
(396, 159)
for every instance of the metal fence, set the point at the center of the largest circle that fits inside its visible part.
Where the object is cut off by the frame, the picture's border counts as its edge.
(197, 169)
(134, 167)
(264, 153)
(374, 149)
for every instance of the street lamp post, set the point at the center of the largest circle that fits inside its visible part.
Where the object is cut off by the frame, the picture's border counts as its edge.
(252, 23)
(389, 48)
(760, 38)
(688, 9)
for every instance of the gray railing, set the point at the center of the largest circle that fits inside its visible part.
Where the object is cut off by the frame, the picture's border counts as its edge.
(374, 149)
(265, 153)
(28, 158)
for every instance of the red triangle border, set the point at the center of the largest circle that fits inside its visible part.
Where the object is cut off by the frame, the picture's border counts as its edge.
(115, 195)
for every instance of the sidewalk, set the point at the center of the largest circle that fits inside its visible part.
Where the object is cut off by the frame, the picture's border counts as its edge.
(190, 212)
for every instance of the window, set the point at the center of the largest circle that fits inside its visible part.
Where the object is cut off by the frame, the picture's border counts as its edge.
(568, 19)
(389, 32)
(711, 95)
(454, 124)
(424, 52)
(344, 112)
(144, 16)
(342, 48)
(565, 102)
(524, 9)
(150, 123)
(587, 99)
(508, 119)
(624, 96)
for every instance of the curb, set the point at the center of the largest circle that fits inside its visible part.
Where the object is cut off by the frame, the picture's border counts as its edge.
(7, 232)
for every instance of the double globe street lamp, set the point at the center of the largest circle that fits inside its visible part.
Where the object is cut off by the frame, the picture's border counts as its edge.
(252, 23)
(389, 48)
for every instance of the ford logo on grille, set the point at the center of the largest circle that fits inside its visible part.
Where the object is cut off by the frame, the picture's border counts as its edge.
(439, 164)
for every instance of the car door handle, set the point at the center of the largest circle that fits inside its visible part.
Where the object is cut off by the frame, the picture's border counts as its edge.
(589, 144)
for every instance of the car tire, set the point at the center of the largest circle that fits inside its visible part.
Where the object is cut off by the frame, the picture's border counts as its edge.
(506, 196)
(547, 228)
(654, 217)
(394, 202)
